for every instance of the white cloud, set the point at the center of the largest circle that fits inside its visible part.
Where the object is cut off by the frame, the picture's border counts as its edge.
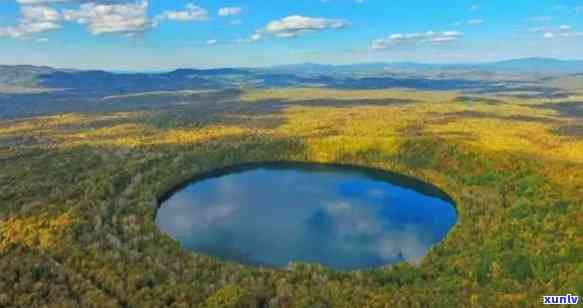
(256, 37)
(562, 31)
(230, 11)
(211, 42)
(253, 38)
(292, 26)
(34, 19)
(191, 13)
(475, 21)
(562, 34)
(111, 18)
(8, 32)
(416, 38)
(39, 14)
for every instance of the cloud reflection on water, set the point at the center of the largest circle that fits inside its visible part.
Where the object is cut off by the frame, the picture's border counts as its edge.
(271, 217)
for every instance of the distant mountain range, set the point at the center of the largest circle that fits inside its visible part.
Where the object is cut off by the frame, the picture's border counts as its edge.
(534, 65)
(524, 65)
(31, 90)
(539, 65)
(485, 76)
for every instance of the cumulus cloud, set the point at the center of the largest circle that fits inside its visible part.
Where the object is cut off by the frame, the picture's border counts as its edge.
(39, 14)
(34, 19)
(256, 37)
(253, 38)
(111, 18)
(230, 11)
(554, 29)
(562, 31)
(416, 38)
(191, 13)
(293, 26)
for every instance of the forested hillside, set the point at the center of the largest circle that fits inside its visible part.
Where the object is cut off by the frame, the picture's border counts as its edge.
(79, 191)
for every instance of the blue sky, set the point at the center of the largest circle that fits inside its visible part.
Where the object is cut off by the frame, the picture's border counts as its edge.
(165, 34)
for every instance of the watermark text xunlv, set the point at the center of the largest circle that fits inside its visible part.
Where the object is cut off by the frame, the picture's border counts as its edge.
(561, 300)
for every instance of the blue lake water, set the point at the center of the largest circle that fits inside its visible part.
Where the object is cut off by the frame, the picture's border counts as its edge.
(273, 214)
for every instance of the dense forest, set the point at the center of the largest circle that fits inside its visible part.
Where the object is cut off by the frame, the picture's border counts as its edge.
(79, 191)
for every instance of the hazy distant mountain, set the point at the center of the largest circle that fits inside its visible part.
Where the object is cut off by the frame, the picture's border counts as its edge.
(211, 72)
(101, 81)
(22, 75)
(30, 90)
(524, 65)
(353, 76)
(315, 68)
(543, 65)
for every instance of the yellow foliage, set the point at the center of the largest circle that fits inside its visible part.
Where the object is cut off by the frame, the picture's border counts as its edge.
(307, 94)
(515, 179)
(41, 231)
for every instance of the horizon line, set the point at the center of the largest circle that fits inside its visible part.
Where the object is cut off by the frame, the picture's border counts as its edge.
(170, 69)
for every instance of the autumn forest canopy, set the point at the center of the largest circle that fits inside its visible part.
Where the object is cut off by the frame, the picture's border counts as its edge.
(82, 176)
(114, 112)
